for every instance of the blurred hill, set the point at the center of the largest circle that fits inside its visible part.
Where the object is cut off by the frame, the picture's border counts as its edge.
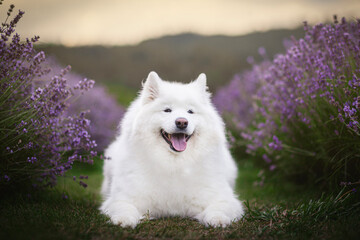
(178, 58)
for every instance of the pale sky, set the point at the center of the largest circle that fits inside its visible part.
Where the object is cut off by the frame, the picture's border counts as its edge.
(118, 22)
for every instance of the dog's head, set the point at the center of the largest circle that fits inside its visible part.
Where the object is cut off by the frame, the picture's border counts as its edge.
(174, 114)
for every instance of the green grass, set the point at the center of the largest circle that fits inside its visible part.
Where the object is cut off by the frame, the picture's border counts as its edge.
(124, 95)
(277, 210)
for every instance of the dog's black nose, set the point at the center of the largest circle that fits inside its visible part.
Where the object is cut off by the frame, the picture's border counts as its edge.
(181, 123)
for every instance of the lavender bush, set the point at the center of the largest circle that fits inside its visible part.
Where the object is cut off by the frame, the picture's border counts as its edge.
(101, 109)
(235, 100)
(38, 141)
(306, 121)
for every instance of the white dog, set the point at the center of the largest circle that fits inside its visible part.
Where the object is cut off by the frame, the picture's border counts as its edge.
(171, 159)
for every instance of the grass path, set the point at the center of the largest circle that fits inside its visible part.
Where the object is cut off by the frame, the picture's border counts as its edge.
(48, 216)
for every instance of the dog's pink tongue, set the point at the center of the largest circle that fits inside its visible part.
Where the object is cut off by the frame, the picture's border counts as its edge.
(178, 141)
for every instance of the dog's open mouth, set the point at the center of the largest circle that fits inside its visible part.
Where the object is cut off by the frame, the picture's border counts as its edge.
(177, 141)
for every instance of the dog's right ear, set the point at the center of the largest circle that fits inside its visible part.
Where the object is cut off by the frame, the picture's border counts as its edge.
(150, 89)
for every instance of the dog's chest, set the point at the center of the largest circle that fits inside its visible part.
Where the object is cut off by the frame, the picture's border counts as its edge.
(174, 194)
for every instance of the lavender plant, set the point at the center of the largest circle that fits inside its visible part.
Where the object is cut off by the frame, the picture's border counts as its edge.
(38, 142)
(235, 101)
(101, 109)
(306, 121)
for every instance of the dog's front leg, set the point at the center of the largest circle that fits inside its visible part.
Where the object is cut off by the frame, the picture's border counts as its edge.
(121, 212)
(221, 213)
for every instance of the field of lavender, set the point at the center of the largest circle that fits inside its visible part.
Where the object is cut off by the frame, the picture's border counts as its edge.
(298, 114)
(293, 127)
(48, 118)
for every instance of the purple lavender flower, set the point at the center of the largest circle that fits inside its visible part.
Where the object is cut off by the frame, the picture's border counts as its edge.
(101, 109)
(276, 144)
(266, 158)
(64, 196)
(272, 167)
(37, 136)
(236, 101)
(7, 178)
(309, 96)
(84, 185)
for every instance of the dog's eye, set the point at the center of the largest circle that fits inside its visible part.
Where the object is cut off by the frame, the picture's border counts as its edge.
(167, 110)
(191, 111)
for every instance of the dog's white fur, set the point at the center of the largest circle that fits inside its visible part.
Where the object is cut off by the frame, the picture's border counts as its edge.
(145, 177)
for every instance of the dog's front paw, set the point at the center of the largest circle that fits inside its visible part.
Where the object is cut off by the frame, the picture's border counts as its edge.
(125, 221)
(216, 219)
(121, 212)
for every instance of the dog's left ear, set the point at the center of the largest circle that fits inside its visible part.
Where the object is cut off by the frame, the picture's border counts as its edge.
(200, 82)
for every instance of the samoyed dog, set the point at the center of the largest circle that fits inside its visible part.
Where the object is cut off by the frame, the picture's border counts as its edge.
(171, 159)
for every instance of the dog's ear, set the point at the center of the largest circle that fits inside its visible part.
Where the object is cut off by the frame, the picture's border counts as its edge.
(200, 82)
(150, 89)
